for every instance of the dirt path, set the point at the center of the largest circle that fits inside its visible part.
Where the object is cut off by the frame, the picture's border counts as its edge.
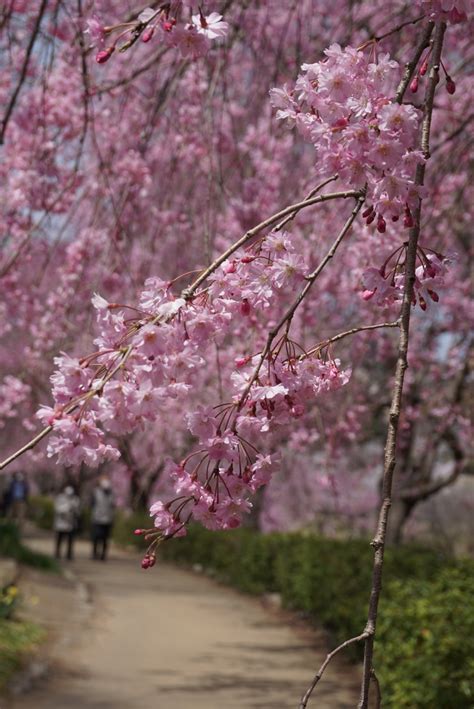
(171, 639)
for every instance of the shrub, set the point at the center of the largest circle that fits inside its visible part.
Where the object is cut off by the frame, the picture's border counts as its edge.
(41, 510)
(426, 642)
(11, 546)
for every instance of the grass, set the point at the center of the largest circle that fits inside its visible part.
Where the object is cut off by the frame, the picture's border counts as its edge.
(17, 640)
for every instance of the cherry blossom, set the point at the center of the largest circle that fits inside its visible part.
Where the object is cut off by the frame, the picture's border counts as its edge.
(343, 106)
(127, 177)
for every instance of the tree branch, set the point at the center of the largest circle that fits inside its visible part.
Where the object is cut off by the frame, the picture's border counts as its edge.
(287, 317)
(291, 211)
(411, 66)
(319, 673)
(391, 442)
(352, 331)
(189, 292)
(24, 69)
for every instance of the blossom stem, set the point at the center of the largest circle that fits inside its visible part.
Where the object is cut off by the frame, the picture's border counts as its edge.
(288, 316)
(347, 333)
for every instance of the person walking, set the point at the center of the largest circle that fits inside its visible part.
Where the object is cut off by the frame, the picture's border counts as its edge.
(102, 517)
(17, 498)
(66, 517)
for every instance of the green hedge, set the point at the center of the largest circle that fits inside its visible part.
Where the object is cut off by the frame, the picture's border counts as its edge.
(11, 546)
(41, 511)
(425, 643)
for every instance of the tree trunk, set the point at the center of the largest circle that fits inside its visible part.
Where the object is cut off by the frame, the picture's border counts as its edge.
(399, 515)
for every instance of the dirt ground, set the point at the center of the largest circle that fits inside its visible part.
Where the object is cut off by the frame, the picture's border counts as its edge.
(121, 638)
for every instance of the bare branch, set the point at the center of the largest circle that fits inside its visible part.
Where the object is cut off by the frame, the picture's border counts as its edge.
(28, 446)
(411, 66)
(319, 673)
(378, 693)
(352, 331)
(317, 189)
(395, 409)
(24, 69)
(189, 292)
(421, 492)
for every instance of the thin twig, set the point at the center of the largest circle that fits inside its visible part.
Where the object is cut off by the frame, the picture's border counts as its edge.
(68, 410)
(454, 133)
(378, 692)
(411, 66)
(189, 292)
(314, 191)
(399, 27)
(288, 316)
(31, 444)
(378, 542)
(352, 331)
(24, 69)
(304, 700)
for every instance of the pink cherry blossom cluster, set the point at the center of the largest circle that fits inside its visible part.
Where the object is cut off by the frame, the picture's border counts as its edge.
(193, 38)
(385, 285)
(343, 106)
(214, 483)
(145, 360)
(447, 10)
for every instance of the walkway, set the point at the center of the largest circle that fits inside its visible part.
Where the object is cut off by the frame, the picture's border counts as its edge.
(170, 639)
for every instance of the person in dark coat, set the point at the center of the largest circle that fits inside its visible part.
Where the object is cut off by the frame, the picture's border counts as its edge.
(17, 499)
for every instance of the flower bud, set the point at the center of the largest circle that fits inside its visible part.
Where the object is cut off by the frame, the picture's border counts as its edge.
(138, 532)
(168, 24)
(245, 307)
(368, 294)
(414, 85)
(371, 218)
(242, 361)
(148, 34)
(450, 85)
(104, 55)
(456, 16)
(433, 295)
(424, 67)
(340, 124)
(381, 225)
(367, 211)
(408, 219)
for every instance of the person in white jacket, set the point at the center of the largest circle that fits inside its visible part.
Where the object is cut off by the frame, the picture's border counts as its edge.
(66, 517)
(102, 518)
